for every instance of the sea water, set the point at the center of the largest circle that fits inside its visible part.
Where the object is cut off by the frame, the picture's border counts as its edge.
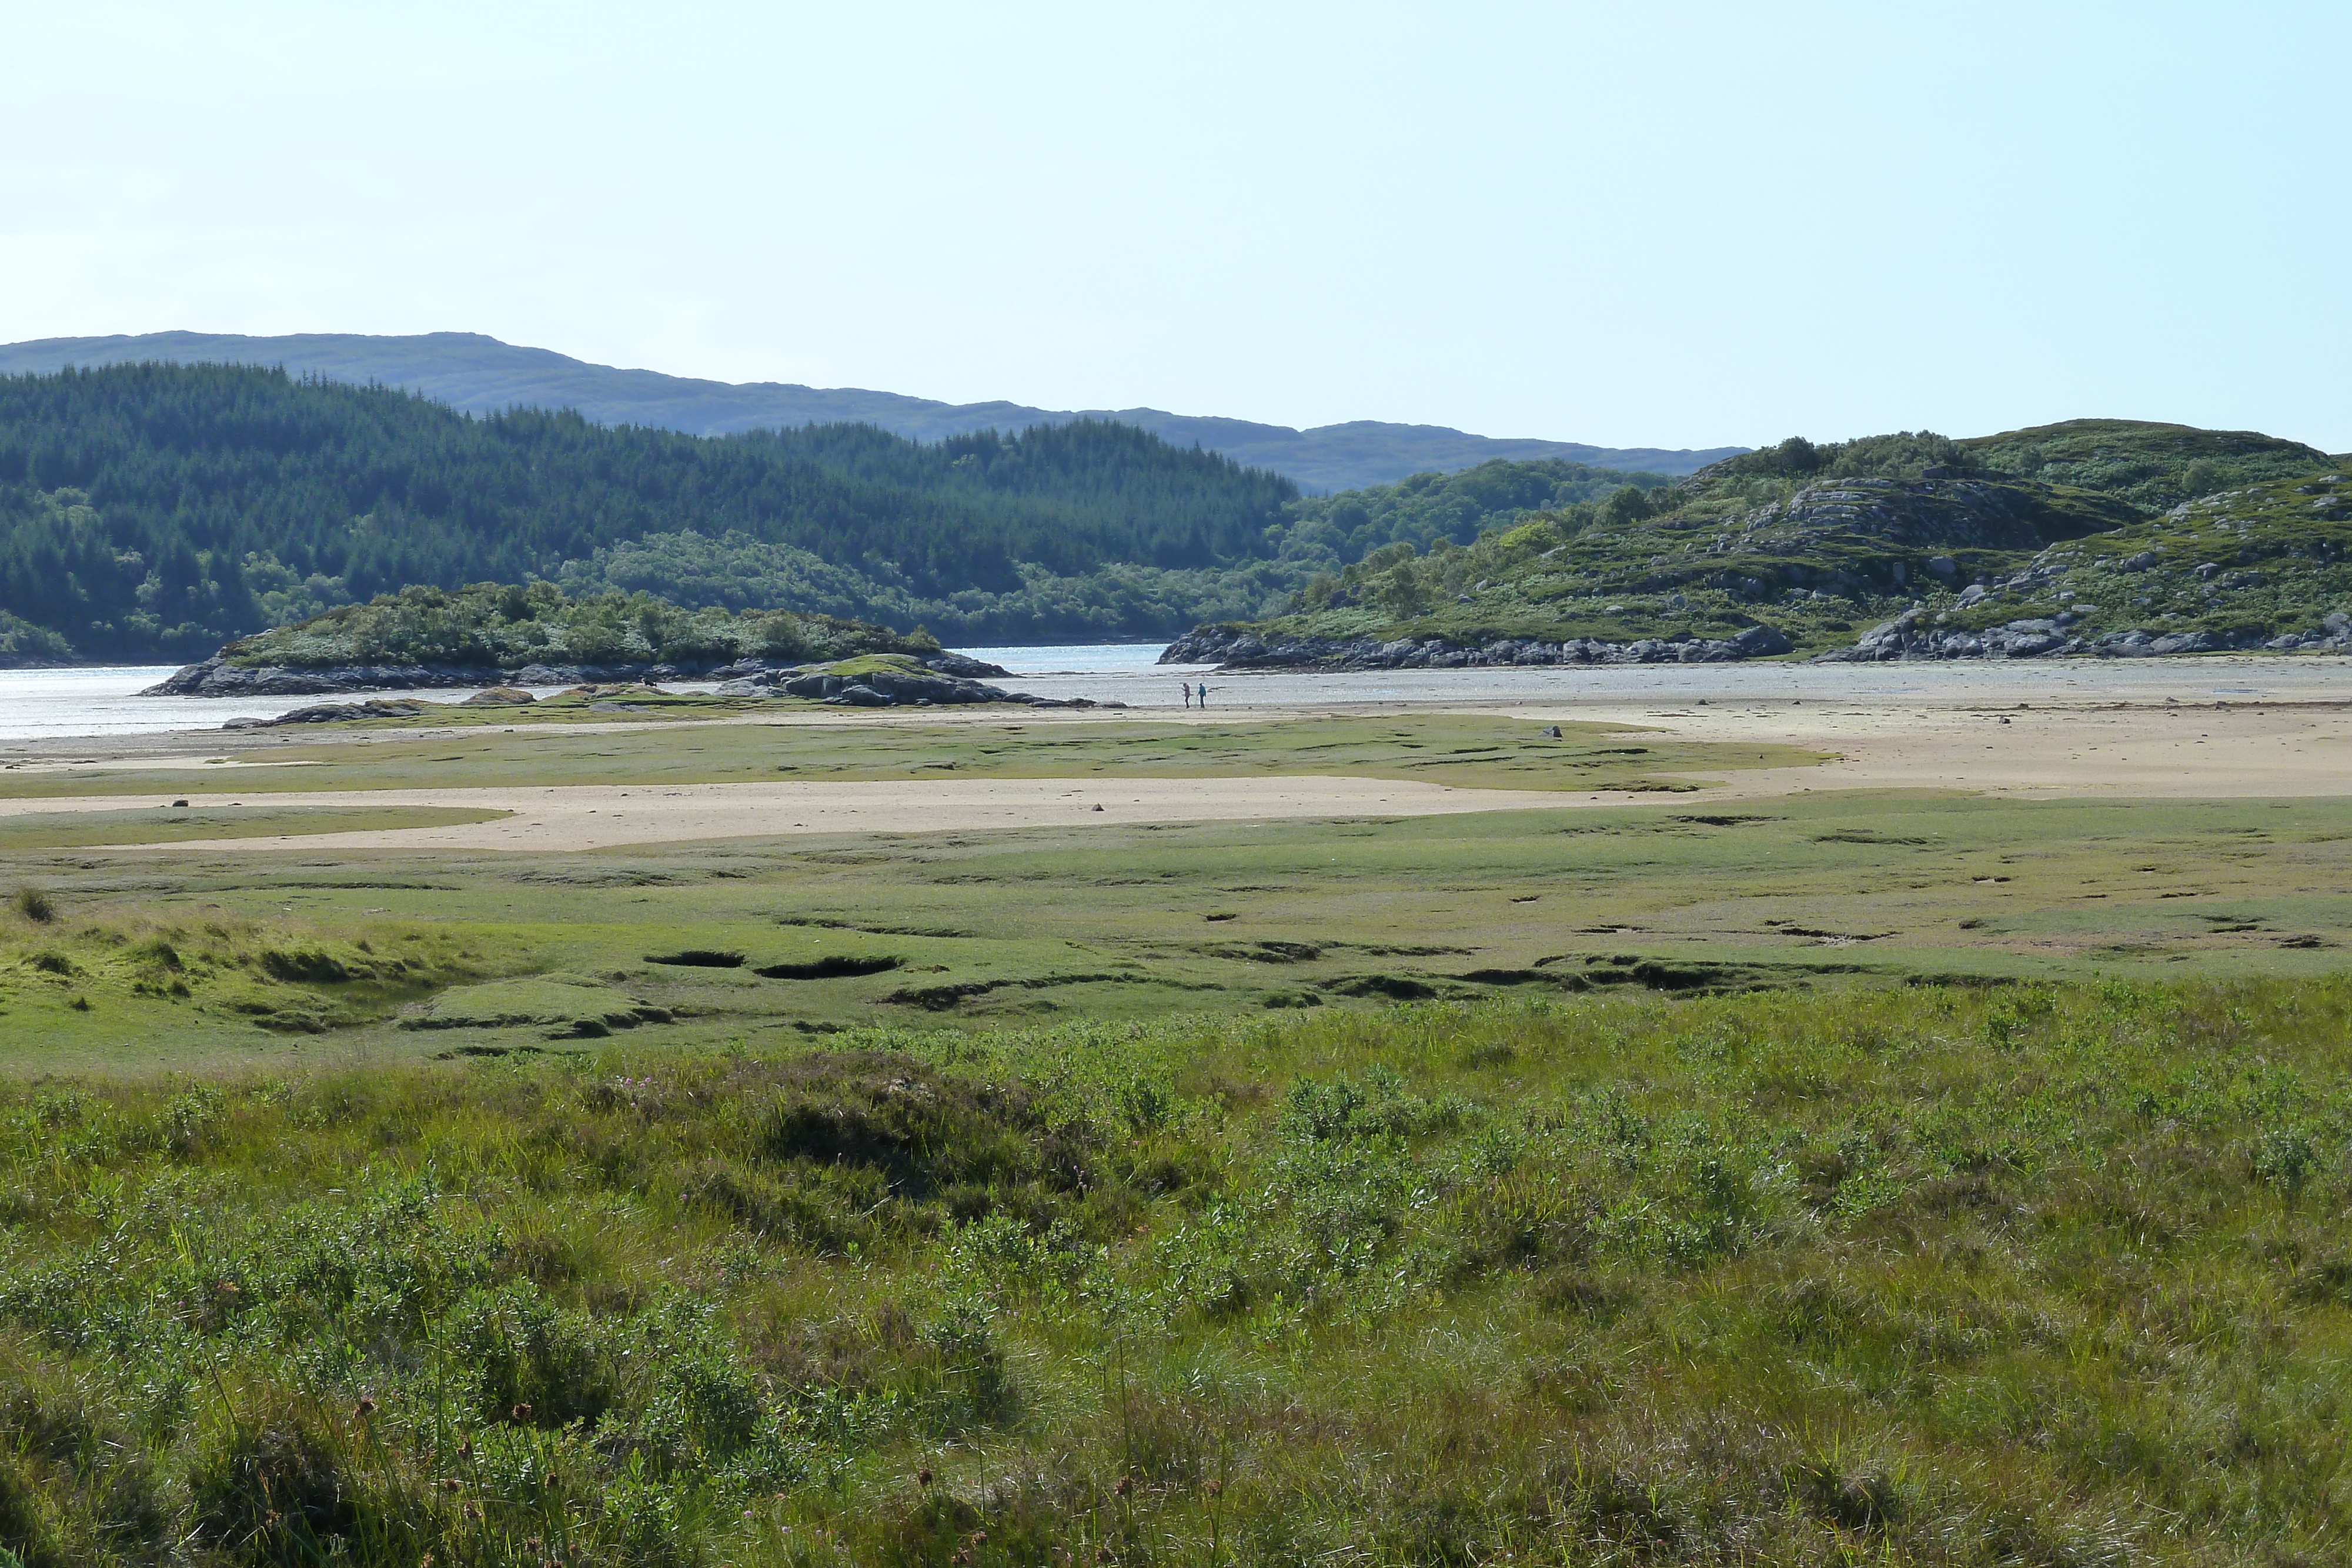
(55, 705)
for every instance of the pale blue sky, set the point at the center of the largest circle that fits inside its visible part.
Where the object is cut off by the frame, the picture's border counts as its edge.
(1670, 225)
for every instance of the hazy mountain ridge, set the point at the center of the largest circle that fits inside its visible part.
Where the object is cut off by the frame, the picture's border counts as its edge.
(482, 375)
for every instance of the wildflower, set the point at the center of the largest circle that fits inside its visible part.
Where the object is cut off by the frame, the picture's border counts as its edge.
(521, 1412)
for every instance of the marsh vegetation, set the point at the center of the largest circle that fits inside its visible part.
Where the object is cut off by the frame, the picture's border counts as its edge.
(2047, 1275)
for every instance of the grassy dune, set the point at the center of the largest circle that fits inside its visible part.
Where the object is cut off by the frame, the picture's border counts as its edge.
(1924, 1275)
(136, 983)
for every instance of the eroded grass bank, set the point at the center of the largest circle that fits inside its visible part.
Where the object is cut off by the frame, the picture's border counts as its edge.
(2047, 1276)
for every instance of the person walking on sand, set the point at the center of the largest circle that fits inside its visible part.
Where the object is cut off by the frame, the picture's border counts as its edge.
(1186, 687)
(1205, 693)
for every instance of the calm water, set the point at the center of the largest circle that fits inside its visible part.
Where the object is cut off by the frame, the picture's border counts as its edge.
(52, 705)
(57, 705)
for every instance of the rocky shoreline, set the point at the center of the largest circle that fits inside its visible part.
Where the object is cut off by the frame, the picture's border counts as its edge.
(1912, 636)
(1243, 650)
(891, 688)
(946, 680)
(217, 677)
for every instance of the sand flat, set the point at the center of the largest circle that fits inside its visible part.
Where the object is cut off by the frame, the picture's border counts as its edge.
(601, 816)
(2082, 748)
(2214, 751)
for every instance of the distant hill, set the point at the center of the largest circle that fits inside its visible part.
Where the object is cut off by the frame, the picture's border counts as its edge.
(2022, 544)
(482, 375)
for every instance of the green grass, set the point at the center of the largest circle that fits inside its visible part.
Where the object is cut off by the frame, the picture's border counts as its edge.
(1923, 1275)
(171, 825)
(984, 930)
(1474, 751)
(135, 981)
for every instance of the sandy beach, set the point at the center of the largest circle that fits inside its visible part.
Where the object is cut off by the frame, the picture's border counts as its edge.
(1967, 739)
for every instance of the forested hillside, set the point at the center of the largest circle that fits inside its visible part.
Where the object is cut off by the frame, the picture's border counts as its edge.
(483, 376)
(159, 510)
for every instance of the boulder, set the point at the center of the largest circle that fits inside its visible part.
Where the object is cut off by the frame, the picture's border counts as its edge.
(338, 713)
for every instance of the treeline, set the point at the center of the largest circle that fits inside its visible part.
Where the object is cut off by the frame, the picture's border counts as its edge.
(1423, 508)
(152, 509)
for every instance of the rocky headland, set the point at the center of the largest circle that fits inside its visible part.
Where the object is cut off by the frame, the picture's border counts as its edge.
(218, 677)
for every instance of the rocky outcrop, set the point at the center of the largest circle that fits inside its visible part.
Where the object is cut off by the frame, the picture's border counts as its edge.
(1932, 514)
(340, 713)
(882, 688)
(217, 677)
(1241, 649)
(1913, 634)
(892, 689)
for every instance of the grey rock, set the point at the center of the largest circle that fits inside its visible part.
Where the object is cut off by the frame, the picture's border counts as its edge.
(337, 713)
(964, 668)
(1239, 650)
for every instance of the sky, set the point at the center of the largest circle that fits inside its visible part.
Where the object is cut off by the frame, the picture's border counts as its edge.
(1659, 225)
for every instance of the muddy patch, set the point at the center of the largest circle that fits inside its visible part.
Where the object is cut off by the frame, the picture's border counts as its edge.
(839, 966)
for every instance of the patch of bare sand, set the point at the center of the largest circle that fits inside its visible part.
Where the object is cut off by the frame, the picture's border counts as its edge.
(588, 817)
(2218, 750)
